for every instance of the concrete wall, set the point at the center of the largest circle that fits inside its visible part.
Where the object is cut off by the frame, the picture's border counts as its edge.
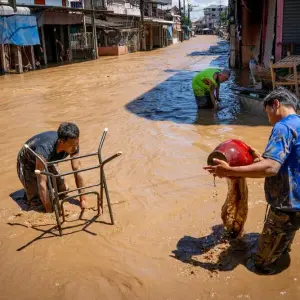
(126, 9)
(53, 2)
(26, 2)
(47, 2)
(250, 34)
(112, 51)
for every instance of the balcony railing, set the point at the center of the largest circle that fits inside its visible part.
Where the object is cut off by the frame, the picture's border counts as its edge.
(123, 8)
(81, 41)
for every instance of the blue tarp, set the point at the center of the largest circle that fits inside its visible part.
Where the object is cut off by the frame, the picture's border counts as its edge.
(170, 33)
(19, 30)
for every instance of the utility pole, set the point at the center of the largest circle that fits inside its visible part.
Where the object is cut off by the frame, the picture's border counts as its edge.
(220, 22)
(142, 10)
(189, 10)
(94, 33)
(179, 4)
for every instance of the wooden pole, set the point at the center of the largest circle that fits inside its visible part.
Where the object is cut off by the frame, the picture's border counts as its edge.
(179, 4)
(142, 10)
(19, 60)
(32, 58)
(3, 58)
(296, 80)
(279, 29)
(160, 35)
(94, 33)
(151, 36)
(44, 45)
(70, 43)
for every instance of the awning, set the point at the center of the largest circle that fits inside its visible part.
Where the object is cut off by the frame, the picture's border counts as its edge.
(162, 2)
(102, 23)
(57, 18)
(6, 10)
(156, 20)
(19, 30)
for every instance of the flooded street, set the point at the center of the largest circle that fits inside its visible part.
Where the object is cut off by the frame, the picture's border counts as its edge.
(165, 243)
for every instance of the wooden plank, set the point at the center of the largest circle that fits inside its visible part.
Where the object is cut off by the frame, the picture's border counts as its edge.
(32, 58)
(19, 60)
(285, 83)
(290, 77)
(250, 90)
(295, 80)
(44, 45)
(279, 29)
(272, 74)
(288, 62)
(3, 58)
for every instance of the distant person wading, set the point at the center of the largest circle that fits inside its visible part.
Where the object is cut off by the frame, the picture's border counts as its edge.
(206, 85)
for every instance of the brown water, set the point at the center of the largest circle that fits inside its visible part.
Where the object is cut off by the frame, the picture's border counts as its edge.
(235, 208)
(166, 241)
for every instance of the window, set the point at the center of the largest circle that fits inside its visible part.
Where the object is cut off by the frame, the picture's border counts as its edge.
(213, 9)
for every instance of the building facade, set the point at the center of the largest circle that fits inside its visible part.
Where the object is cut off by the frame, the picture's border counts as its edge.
(69, 30)
(212, 15)
(265, 30)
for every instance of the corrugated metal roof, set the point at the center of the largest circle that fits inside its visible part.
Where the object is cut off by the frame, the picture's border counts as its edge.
(6, 10)
(291, 28)
(102, 23)
(156, 20)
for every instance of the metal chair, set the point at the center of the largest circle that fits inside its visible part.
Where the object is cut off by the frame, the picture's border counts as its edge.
(56, 197)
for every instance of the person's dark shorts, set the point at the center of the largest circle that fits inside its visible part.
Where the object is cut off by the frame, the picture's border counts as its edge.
(203, 102)
(278, 234)
(29, 180)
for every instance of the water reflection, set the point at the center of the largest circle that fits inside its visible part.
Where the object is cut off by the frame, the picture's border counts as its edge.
(173, 100)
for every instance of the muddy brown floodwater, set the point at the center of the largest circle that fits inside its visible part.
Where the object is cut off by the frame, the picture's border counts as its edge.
(166, 241)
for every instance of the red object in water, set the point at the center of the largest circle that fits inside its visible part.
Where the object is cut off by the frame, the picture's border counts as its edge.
(234, 152)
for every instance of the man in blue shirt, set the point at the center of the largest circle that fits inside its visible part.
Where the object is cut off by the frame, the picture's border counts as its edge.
(280, 165)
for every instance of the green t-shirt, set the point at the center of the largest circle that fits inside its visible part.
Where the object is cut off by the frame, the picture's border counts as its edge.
(199, 87)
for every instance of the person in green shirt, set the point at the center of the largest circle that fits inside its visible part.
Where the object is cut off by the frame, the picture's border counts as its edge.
(206, 86)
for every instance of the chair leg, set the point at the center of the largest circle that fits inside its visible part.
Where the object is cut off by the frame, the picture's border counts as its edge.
(108, 200)
(98, 204)
(296, 80)
(56, 211)
(272, 74)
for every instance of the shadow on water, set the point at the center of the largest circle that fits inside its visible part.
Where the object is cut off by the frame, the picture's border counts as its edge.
(173, 100)
(221, 255)
(220, 49)
(20, 198)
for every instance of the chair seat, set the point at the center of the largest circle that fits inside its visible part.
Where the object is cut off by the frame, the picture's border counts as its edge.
(290, 77)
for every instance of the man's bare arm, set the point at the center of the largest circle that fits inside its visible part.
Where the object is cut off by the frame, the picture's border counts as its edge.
(42, 187)
(76, 165)
(264, 168)
(212, 95)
